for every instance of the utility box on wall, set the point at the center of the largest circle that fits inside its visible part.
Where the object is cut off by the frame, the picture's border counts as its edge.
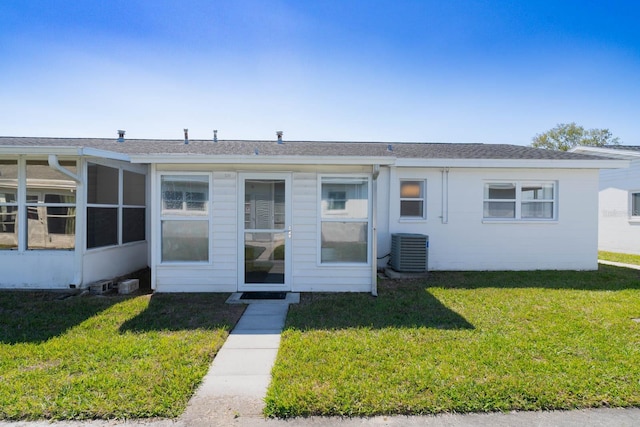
(409, 253)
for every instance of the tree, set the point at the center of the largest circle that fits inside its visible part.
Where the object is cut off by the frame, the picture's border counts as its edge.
(566, 136)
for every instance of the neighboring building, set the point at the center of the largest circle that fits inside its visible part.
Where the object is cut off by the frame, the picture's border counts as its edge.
(224, 216)
(619, 213)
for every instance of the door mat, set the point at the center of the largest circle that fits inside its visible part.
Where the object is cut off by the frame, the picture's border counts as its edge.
(264, 295)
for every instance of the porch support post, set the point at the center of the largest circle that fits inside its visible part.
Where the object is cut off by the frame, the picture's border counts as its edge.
(374, 231)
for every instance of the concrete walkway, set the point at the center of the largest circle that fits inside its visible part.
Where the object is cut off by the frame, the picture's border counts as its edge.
(619, 264)
(237, 381)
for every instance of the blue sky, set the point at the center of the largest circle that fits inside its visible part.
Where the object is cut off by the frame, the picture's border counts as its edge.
(433, 71)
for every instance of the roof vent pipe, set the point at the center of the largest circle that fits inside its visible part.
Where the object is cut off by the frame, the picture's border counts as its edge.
(186, 136)
(215, 135)
(279, 135)
(121, 135)
(389, 147)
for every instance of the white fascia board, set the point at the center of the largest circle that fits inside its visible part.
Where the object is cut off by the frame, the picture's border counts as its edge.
(104, 154)
(40, 150)
(514, 163)
(263, 159)
(601, 151)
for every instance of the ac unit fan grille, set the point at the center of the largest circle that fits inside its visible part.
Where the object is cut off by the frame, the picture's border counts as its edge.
(409, 252)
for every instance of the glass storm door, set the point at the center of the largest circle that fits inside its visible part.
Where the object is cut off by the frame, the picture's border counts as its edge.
(265, 232)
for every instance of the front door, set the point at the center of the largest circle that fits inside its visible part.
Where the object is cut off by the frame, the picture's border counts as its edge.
(265, 232)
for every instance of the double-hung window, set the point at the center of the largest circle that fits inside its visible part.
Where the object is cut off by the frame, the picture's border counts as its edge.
(344, 220)
(185, 217)
(412, 199)
(520, 200)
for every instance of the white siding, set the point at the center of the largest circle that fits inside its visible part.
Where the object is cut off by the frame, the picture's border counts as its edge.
(617, 231)
(459, 239)
(111, 262)
(37, 269)
(220, 275)
(307, 274)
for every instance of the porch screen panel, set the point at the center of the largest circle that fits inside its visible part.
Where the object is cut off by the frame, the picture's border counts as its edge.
(344, 220)
(103, 185)
(8, 204)
(51, 206)
(133, 207)
(184, 215)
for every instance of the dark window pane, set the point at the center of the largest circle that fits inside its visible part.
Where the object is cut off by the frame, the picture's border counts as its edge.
(500, 191)
(102, 227)
(133, 188)
(61, 220)
(133, 225)
(411, 208)
(102, 185)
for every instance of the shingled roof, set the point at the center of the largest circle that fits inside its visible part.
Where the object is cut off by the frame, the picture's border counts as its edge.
(426, 150)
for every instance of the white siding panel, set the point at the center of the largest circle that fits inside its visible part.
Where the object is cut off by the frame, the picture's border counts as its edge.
(617, 231)
(109, 263)
(307, 275)
(221, 275)
(37, 270)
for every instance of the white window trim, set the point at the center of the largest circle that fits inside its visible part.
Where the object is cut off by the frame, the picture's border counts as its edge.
(320, 220)
(517, 219)
(423, 199)
(175, 215)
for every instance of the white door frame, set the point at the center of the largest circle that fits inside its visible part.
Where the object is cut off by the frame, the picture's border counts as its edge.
(286, 177)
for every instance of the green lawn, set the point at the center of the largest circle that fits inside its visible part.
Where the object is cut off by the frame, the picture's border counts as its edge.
(106, 357)
(464, 342)
(618, 257)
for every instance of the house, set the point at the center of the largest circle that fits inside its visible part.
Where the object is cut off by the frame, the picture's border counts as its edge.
(619, 198)
(225, 216)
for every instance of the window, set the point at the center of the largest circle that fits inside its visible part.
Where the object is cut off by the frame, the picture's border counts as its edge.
(635, 204)
(184, 218)
(344, 220)
(51, 206)
(412, 199)
(520, 200)
(115, 206)
(8, 204)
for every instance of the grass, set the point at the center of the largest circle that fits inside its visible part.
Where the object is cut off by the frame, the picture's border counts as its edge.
(463, 342)
(619, 257)
(106, 357)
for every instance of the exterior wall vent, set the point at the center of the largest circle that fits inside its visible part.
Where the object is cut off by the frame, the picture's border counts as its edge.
(409, 253)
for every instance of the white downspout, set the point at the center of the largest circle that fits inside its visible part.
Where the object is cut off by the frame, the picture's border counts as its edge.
(445, 195)
(80, 229)
(374, 231)
(53, 163)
